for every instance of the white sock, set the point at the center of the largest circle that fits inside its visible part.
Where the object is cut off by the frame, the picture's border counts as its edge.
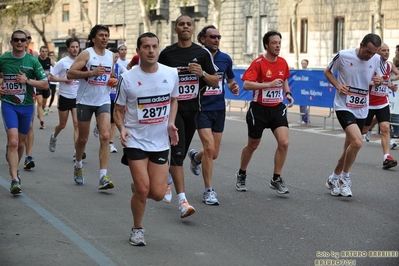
(344, 175)
(103, 172)
(386, 156)
(181, 196)
(79, 164)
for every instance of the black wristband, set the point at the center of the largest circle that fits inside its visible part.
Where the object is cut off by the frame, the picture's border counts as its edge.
(288, 93)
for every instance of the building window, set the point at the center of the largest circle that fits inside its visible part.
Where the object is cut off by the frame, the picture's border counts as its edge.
(263, 29)
(339, 27)
(248, 34)
(65, 12)
(83, 10)
(304, 35)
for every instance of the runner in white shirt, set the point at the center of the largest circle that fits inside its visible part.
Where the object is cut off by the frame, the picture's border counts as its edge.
(145, 111)
(93, 69)
(67, 91)
(356, 68)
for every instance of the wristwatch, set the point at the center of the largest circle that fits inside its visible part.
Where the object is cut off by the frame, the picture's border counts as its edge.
(27, 81)
(203, 74)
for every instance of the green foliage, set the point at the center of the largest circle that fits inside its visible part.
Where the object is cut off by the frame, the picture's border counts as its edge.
(12, 10)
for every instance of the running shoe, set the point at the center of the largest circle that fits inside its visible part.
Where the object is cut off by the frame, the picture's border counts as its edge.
(95, 131)
(29, 163)
(45, 111)
(185, 209)
(42, 125)
(333, 185)
(240, 184)
(393, 144)
(168, 195)
(105, 183)
(389, 163)
(78, 176)
(194, 166)
(137, 237)
(209, 198)
(345, 185)
(367, 136)
(53, 143)
(112, 148)
(16, 186)
(279, 186)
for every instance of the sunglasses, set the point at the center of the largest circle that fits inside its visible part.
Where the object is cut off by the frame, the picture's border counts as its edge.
(19, 39)
(214, 36)
(28, 37)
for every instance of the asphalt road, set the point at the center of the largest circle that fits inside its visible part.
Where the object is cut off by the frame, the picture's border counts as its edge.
(55, 222)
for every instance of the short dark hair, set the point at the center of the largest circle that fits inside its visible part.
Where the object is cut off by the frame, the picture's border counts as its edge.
(69, 41)
(17, 32)
(43, 47)
(94, 31)
(202, 33)
(397, 47)
(267, 36)
(145, 35)
(183, 15)
(373, 38)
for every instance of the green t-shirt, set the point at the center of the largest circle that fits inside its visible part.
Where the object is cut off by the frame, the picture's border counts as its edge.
(16, 93)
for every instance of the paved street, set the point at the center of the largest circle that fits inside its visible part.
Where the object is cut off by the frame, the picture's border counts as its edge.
(55, 222)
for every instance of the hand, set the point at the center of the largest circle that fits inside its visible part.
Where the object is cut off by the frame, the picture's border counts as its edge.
(276, 83)
(124, 134)
(235, 89)
(174, 137)
(376, 79)
(99, 70)
(21, 78)
(291, 100)
(195, 68)
(343, 89)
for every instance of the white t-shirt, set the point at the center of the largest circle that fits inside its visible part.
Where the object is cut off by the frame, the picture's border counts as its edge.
(94, 91)
(147, 99)
(67, 90)
(123, 63)
(357, 74)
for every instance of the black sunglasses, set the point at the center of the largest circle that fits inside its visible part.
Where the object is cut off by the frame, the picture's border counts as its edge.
(28, 37)
(19, 39)
(214, 36)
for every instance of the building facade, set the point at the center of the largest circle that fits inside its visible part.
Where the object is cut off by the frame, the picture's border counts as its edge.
(322, 27)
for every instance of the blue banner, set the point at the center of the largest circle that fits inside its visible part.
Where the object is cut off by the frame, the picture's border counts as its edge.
(308, 88)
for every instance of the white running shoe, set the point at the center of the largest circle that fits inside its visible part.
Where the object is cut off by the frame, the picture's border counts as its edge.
(333, 185)
(209, 198)
(53, 143)
(393, 144)
(345, 186)
(137, 237)
(168, 195)
(367, 136)
(112, 148)
(95, 131)
(194, 166)
(185, 209)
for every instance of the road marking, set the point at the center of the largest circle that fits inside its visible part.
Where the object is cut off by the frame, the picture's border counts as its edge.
(85, 246)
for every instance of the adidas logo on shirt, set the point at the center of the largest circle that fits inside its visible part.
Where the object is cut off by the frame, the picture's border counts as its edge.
(164, 81)
(195, 60)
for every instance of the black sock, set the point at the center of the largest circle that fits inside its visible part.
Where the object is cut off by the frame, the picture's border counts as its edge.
(275, 177)
(241, 172)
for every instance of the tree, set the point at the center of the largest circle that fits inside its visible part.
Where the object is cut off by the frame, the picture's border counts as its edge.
(377, 18)
(217, 13)
(294, 32)
(36, 11)
(144, 8)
